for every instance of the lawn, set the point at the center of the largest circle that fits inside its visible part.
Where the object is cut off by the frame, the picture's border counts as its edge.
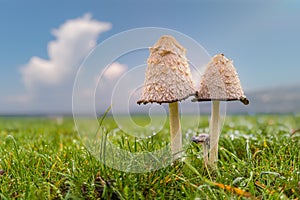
(45, 158)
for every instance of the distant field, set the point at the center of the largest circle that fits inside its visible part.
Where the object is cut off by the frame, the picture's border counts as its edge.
(45, 158)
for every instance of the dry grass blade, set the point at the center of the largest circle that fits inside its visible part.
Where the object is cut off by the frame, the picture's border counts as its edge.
(234, 190)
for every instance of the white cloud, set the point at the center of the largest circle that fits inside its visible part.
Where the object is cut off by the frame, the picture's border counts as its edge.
(49, 82)
(74, 40)
(114, 71)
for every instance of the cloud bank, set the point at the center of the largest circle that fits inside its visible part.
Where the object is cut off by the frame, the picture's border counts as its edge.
(49, 82)
(73, 41)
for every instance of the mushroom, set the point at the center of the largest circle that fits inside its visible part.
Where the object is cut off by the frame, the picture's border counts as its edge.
(204, 140)
(220, 82)
(168, 79)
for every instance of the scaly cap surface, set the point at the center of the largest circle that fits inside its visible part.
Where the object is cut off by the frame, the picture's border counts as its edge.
(220, 81)
(168, 77)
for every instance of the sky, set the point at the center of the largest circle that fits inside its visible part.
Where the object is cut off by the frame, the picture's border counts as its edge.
(43, 43)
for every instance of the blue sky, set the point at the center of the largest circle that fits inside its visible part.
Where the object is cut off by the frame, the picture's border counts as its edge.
(261, 37)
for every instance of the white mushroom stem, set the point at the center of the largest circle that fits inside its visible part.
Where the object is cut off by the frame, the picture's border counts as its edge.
(175, 130)
(214, 134)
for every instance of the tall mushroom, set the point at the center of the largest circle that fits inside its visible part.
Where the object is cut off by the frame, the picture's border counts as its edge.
(220, 82)
(168, 80)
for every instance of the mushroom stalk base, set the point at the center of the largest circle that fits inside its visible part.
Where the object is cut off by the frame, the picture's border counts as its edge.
(205, 154)
(175, 130)
(214, 134)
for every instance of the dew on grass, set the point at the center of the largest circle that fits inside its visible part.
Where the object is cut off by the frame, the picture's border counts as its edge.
(190, 133)
(290, 179)
(232, 137)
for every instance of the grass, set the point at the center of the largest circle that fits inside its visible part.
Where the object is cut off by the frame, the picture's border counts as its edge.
(42, 158)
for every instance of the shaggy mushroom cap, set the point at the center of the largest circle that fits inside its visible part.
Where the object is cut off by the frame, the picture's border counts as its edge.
(220, 81)
(168, 77)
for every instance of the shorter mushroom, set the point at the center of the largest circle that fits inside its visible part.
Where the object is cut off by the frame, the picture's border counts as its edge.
(220, 82)
(204, 140)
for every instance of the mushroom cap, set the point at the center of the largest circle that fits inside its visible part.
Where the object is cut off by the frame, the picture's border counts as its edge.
(202, 138)
(220, 82)
(168, 77)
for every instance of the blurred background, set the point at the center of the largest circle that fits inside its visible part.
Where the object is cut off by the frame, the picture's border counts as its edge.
(43, 43)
